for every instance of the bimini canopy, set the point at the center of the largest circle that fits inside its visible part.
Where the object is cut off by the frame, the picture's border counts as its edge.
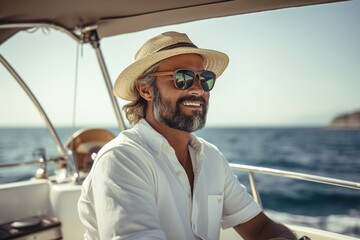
(114, 17)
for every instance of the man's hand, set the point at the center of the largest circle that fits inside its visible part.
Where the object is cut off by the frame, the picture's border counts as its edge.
(263, 228)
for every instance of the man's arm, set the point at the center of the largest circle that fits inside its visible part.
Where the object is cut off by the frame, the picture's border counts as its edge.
(263, 228)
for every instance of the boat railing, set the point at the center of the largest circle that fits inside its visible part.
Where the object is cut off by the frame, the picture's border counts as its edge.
(19, 164)
(68, 164)
(288, 174)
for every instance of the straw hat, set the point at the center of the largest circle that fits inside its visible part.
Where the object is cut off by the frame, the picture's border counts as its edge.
(163, 46)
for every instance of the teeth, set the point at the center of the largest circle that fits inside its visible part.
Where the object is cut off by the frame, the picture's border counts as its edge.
(192, 104)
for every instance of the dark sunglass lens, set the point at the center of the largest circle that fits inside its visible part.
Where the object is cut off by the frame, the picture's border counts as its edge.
(207, 80)
(184, 79)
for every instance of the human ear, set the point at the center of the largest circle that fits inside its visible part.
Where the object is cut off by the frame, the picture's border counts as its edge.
(144, 91)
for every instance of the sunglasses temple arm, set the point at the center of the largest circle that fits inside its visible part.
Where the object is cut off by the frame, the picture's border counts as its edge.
(168, 73)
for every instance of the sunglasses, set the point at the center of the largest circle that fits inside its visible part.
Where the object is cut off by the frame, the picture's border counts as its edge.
(184, 78)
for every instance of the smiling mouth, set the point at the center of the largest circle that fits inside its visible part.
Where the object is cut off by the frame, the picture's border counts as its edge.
(192, 104)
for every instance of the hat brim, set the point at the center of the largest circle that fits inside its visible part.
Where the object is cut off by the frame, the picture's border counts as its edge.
(213, 60)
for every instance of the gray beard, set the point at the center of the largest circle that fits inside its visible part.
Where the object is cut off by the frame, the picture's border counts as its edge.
(172, 117)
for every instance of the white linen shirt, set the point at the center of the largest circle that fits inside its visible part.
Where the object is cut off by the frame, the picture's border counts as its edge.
(137, 189)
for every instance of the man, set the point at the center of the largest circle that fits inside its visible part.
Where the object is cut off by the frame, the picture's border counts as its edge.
(158, 180)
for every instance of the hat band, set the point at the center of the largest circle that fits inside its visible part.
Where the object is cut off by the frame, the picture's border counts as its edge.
(177, 45)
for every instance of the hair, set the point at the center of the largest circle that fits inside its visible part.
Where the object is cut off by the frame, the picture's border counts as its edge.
(136, 109)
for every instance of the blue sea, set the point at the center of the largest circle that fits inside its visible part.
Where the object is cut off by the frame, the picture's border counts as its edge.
(321, 151)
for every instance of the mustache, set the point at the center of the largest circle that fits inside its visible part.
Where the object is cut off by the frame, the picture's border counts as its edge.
(191, 98)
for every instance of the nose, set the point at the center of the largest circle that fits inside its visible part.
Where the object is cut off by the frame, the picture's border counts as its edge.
(196, 88)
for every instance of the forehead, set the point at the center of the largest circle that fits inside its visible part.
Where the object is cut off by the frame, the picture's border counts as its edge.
(192, 61)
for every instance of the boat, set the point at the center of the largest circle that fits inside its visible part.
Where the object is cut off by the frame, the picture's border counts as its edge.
(52, 211)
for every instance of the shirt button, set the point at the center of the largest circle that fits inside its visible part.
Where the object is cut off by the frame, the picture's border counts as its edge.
(178, 173)
(194, 226)
(189, 195)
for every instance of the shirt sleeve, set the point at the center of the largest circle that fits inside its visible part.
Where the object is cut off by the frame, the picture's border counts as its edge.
(124, 195)
(239, 206)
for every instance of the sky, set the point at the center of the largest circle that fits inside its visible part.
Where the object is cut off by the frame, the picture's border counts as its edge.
(292, 67)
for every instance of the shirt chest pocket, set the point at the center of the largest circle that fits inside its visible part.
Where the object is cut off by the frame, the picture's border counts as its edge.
(215, 207)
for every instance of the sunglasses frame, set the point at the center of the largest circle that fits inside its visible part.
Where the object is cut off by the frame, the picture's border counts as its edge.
(196, 73)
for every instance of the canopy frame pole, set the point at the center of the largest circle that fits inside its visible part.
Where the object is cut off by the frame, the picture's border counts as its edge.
(95, 42)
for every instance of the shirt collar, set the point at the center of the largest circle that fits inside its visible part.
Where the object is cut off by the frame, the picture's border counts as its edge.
(151, 137)
(195, 143)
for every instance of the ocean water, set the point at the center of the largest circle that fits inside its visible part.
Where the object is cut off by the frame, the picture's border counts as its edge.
(325, 152)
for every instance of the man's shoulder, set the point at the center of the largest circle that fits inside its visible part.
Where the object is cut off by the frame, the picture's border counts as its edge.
(127, 141)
